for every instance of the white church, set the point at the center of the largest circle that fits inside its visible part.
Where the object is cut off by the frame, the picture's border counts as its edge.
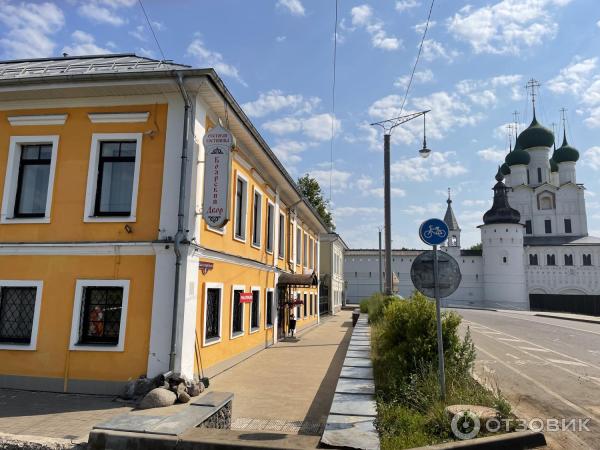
(535, 249)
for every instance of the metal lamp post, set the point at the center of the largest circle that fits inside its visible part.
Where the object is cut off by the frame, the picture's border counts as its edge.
(388, 126)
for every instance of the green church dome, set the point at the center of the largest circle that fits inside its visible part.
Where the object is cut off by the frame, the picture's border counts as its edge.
(517, 157)
(499, 175)
(536, 135)
(505, 169)
(565, 153)
(553, 165)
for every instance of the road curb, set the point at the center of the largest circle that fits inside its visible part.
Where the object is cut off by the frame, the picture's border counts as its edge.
(574, 319)
(509, 441)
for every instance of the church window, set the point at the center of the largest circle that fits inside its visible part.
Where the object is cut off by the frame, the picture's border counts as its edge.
(550, 260)
(539, 174)
(548, 226)
(587, 259)
(545, 203)
(568, 260)
(568, 228)
(533, 260)
(528, 229)
(504, 260)
(528, 181)
(453, 241)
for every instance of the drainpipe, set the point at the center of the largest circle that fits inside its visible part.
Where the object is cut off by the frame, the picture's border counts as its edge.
(180, 236)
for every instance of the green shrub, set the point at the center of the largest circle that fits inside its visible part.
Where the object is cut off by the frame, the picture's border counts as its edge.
(406, 342)
(375, 305)
(364, 306)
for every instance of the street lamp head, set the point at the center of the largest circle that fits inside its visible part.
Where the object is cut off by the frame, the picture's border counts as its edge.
(424, 152)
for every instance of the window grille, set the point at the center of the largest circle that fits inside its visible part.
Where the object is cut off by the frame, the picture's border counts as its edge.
(17, 307)
(213, 311)
(269, 307)
(237, 326)
(101, 315)
(255, 309)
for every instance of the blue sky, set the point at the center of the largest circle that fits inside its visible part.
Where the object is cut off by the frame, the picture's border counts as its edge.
(276, 58)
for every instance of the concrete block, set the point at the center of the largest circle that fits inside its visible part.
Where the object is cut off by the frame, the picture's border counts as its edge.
(190, 417)
(350, 432)
(363, 373)
(357, 362)
(353, 353)
(130, 422)
(355, 386)
(214, 399)
(353, 405)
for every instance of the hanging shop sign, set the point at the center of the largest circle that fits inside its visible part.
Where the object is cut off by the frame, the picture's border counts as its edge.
(205, 266)
(218, 143)
(246, 297)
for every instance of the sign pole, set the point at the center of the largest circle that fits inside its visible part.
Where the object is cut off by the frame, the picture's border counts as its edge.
(441, 369)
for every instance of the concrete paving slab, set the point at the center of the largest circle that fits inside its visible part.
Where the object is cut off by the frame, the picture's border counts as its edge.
(214, 399)
(363, 373)
(358, 362)
(350, 432)
(358, 353)
(179, 423)
(353, 405)
(129, 422)
(366, 344)
(355, 386)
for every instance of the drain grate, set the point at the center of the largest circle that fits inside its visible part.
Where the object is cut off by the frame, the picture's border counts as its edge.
(284, 426)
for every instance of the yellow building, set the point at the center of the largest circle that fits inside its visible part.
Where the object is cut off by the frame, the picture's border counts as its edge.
(108, 270)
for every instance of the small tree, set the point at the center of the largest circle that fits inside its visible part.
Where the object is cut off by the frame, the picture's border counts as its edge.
(475, 247)
(310, 189)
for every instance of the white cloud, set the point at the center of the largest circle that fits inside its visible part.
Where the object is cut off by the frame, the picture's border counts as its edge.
(507, 26)
(83, 44)
(492, 154)
(367, 134)
(289, 151)
(139, 33)
(365, 186)
(403, 5)
(439, 164)
(421, 210)
(362, 17)
(29, 27)
(470, 203)
(575, 78)
(280, 39)
(105, 11)
(340, 179)
(433, 50)
(395, 192)
(209, 58)
(424, 76)
(353, 211)
(294, 7)
(275, 100)
(592, 157)
(317, 126)
(420, 27)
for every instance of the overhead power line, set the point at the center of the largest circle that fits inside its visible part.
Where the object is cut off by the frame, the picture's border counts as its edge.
(417, 60)
(152, 30)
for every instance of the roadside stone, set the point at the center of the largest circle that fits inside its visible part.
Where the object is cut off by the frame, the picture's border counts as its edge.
(158, 398)
(195, 389)
(484, 413)
(183, 397)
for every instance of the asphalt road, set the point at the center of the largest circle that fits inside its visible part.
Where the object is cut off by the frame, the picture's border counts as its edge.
(546, 368)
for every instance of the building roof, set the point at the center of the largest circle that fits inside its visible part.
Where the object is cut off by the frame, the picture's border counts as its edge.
(369, 251)
(115, 63)
(449, 217)
(501, 211)
(538, 241)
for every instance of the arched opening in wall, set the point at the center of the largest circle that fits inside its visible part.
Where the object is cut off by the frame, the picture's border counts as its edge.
(572, 291)
(546, 200)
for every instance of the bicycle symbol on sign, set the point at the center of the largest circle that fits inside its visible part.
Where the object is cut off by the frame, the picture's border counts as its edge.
(434, 231)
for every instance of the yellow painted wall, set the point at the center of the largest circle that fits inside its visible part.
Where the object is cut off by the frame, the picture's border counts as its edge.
(59, 274)
(68, 201)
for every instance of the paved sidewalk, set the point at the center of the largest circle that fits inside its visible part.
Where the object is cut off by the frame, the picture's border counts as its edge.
(289, 387)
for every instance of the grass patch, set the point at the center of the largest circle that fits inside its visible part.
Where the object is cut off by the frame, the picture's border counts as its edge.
(404, 352)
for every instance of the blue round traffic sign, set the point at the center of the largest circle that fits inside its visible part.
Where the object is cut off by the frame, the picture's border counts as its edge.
(433, 231)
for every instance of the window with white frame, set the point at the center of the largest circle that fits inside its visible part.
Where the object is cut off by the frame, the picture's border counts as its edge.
(241, 201)
(311, 250)
(305, 305)
(19, 314)
(29, 179)
(99, 315)
(257, 219)
(282, 235)
(213, 295)
(237, 312)
(298, 245)
(255, 310)
(270, 226)
(269, 300)
(113, 177)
